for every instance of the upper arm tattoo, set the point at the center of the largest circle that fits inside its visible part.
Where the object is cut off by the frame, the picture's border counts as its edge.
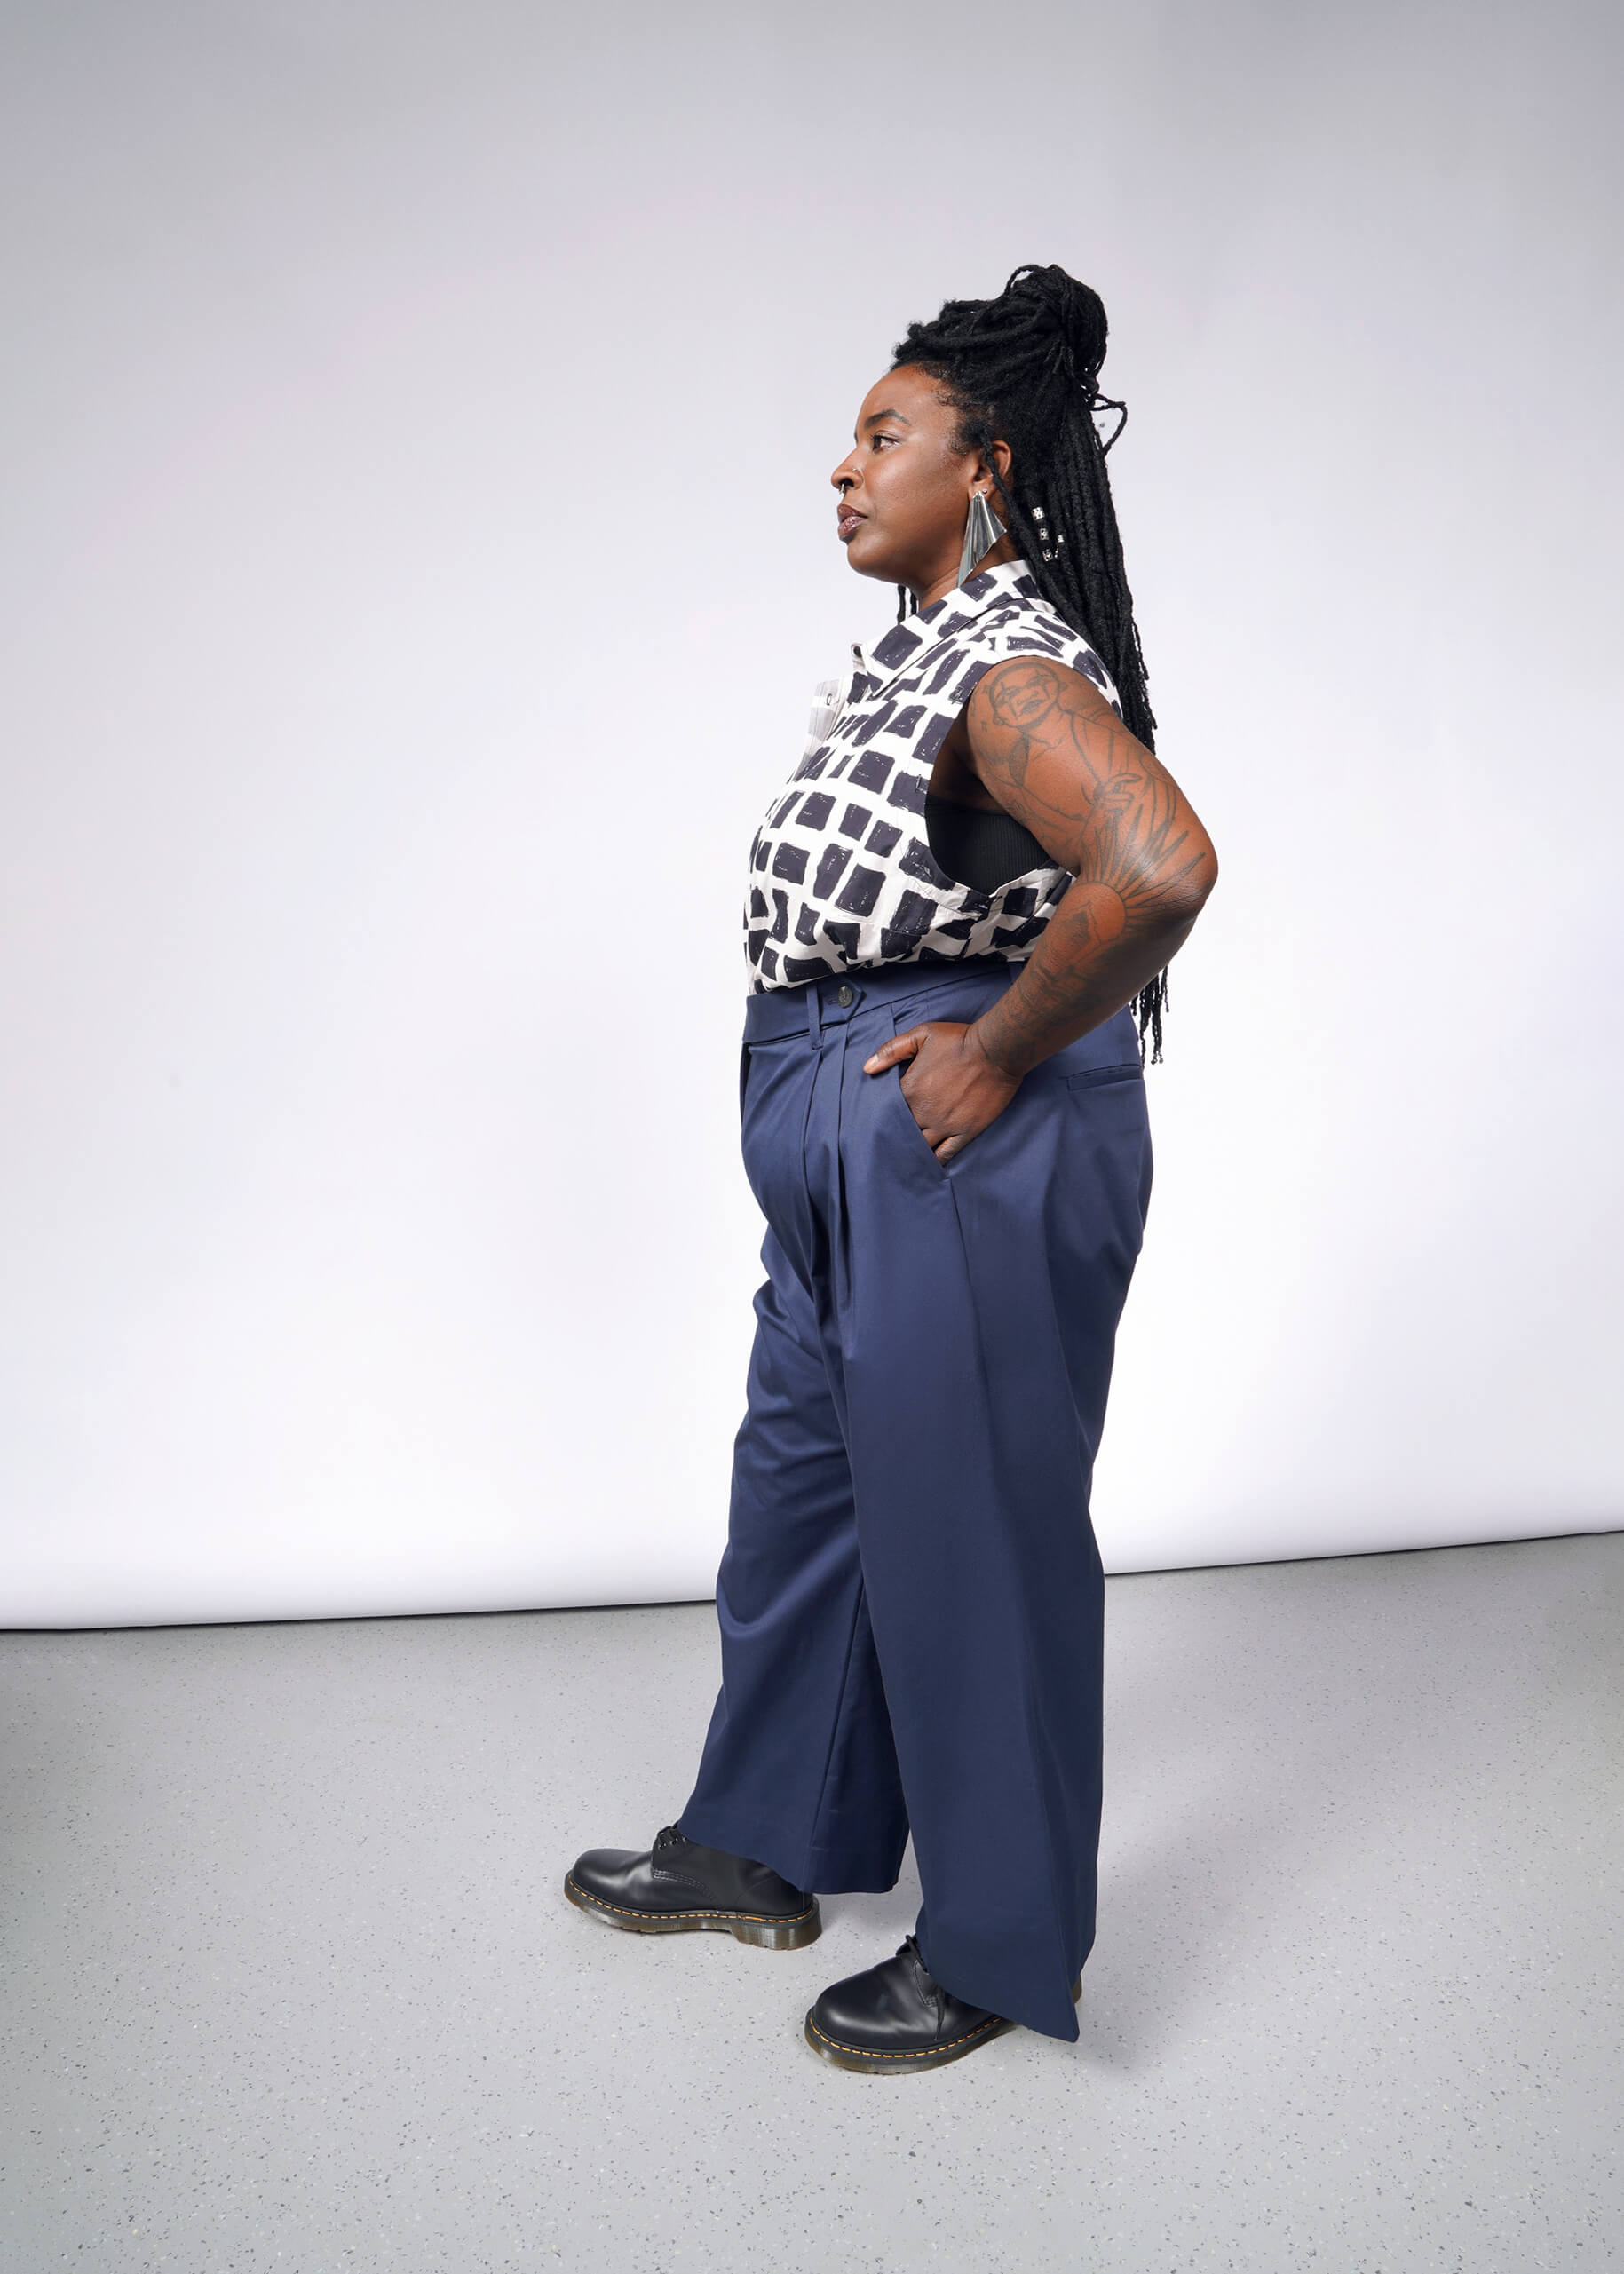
(1054, 753)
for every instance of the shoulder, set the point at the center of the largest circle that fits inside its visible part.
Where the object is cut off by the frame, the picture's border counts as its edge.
(1024, 622)
(1028, 702)
(1038, 659)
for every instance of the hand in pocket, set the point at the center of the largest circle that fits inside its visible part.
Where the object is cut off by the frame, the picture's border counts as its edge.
(952, 1087)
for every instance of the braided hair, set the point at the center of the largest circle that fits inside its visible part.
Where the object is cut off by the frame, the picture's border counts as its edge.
(1024, 370)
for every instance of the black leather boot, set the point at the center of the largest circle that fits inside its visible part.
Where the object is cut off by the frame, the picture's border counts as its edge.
(897, 2017)
(678, 1888)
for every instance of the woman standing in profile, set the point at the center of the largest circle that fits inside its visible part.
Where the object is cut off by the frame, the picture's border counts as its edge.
(977, 868)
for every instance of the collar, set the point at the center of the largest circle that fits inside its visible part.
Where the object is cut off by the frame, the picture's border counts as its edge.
(926, 628)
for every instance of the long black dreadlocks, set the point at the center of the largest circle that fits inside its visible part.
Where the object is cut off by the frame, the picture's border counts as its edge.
(1024, 370)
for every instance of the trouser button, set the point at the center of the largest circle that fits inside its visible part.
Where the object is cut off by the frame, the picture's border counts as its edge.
(846, 998)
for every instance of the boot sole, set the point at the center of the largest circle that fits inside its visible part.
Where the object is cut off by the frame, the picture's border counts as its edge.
(752, 1927)
(863, 2064)
(894, 2064)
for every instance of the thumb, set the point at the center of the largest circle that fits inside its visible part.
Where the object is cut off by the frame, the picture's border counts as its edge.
(893, 1053)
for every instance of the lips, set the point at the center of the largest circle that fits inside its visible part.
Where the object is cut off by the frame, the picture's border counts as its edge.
(848, 520)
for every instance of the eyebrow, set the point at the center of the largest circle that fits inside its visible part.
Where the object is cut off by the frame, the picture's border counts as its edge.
(874, 417)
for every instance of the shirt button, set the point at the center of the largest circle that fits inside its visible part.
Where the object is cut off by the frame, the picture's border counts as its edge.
(846, 998)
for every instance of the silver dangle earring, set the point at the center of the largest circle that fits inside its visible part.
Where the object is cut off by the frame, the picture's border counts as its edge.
(982, 531)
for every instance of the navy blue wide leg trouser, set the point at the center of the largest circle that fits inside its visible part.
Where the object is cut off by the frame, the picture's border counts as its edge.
(911, 1601)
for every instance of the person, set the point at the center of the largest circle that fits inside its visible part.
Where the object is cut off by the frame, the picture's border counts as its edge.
(976, 872)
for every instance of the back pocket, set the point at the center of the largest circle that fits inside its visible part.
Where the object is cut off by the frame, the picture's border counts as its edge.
(1093, 1076)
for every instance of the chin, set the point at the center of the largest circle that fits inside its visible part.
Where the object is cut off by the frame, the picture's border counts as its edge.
(869, 560)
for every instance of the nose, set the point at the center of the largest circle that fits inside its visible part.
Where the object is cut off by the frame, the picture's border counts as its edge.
(847, 474)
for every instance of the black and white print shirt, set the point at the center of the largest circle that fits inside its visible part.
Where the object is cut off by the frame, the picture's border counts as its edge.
(841, 873)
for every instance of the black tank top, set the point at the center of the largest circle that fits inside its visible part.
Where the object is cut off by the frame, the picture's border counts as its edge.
(980, 849)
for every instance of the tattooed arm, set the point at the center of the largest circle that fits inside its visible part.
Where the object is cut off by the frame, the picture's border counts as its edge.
(1052, 752)
(1048, 748)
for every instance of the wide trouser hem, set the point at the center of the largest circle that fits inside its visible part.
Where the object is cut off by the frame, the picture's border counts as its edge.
(821, 1870)
(1018, 1979)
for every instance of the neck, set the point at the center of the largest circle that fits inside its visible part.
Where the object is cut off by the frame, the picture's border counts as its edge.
(938, 589)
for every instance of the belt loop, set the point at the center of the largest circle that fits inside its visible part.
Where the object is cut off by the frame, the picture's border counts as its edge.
(814, 1025)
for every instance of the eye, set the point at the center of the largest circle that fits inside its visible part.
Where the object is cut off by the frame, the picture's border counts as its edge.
(874, 440)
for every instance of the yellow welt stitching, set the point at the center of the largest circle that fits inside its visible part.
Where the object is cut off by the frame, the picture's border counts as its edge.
(980, 2031)
(761, 1918)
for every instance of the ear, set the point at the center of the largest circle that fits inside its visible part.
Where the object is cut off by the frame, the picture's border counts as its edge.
(995, 460)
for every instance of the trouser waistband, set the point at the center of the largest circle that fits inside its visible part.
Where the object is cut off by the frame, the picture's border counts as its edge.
(829, 1002)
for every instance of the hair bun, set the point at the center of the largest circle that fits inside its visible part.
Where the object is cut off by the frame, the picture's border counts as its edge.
(1073, 312)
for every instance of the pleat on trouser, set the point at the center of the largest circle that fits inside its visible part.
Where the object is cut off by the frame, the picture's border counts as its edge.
(911, 1601)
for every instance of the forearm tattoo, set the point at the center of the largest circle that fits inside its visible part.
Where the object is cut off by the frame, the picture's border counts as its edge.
(1052, 752)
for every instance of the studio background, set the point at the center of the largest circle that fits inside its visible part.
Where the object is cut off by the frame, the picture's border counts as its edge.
(419, 555)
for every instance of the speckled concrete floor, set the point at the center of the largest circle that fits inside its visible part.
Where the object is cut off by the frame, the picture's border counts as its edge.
(290, 1983)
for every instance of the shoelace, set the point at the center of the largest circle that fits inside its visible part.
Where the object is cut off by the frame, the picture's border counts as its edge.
(927, 1978)
(929, 1985)
(670, 1837)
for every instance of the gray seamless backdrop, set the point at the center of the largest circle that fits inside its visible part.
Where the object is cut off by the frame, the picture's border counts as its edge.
(416, 423)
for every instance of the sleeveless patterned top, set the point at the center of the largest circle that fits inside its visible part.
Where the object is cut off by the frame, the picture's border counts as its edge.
(841, 875)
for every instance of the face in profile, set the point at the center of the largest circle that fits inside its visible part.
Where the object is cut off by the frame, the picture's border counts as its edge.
(904, 487)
